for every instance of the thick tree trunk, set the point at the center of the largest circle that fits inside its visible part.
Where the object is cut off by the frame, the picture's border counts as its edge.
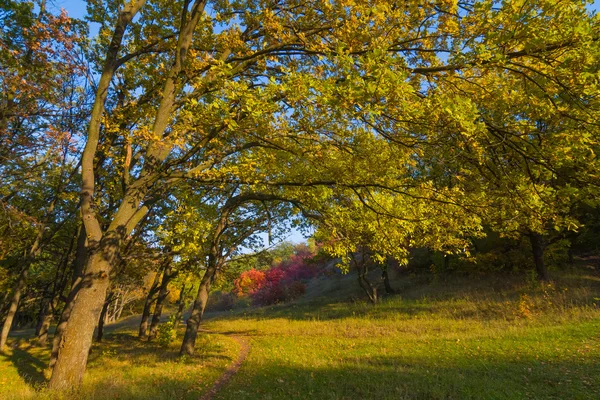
(77, 337)
(76, 281)
(102, 319)
(14, 304)
(537, 247)
(143, 331)
(162, 295)
(193, 322)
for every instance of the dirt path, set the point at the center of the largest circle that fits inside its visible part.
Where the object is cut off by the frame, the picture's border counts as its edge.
(232, 369)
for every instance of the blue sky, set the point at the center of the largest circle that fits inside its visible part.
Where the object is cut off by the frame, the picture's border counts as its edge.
(76, 8)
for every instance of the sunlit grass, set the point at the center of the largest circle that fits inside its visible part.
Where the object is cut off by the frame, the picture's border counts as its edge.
(464, 338)
(122, 367)
(520, 342)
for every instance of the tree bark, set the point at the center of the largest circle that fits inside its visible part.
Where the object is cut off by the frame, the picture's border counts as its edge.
(77, 336)
(362, 270)
(14, 304)
(76, 280)
(193, 322)
(143, 331)
(162, 295)
(41, 313)
(72, 357)
(44, 321)
(537, 247)
(180, 304)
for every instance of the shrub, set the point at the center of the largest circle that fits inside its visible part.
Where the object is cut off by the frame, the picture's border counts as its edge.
(248, 282)
(280, 283)
(167, 332)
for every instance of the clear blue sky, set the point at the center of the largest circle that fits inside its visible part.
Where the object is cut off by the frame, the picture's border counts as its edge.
(76, 8)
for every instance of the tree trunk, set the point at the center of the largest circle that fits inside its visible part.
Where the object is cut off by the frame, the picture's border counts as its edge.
(143, 331)
(180, 304)
(72, 357)
(386, 281)
(119, 309)
(41, 313)
(14, 304)
(77, 337)
(193, 322)
(115, 309)
(102, 319)
(362, 270)
(162, 295)
(368, 288)
(537, 247)
(81, 254)
(45, 319)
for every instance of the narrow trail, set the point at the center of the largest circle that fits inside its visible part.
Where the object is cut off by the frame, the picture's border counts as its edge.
(232, 369)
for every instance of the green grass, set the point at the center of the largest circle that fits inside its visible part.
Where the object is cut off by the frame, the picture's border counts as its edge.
(122, 367)
(488, 338)
(452, 340)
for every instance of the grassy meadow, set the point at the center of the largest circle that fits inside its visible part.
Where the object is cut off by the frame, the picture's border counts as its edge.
(447, 340)
(122, 367)
(494, 338)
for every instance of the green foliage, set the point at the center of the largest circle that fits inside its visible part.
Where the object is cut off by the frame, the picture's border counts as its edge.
(167, 332)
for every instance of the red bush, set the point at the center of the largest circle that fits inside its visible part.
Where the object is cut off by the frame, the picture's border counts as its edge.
(283, 282)
(248, 282)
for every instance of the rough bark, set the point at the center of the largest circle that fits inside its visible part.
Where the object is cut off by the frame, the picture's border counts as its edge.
(76, 280)
(76, 338)
(143, 331)
(537, 248)
(162, 295)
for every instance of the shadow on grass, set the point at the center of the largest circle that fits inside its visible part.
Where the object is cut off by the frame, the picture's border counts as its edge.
(28, 366)
(396, 378)
(488, 298)
(124, 367)
(126, 345)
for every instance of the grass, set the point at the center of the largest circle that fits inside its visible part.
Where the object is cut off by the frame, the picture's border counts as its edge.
(122, 367)
(491, 338)
(447, 340)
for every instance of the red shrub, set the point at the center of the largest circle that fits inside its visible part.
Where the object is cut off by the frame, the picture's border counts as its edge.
(281, 283)
(249, 282)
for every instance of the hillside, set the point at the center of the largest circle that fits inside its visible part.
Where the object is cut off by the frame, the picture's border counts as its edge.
(454, 338)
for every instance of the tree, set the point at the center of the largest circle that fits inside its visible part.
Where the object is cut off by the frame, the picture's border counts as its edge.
(312, 102)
